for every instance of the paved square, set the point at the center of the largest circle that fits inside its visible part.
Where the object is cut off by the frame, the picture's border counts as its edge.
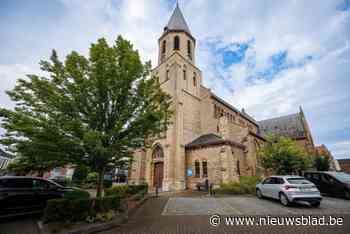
(248, 205)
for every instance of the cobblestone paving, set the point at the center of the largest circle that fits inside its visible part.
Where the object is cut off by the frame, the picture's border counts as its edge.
(246, 205)
(189, 213)
(186, 214)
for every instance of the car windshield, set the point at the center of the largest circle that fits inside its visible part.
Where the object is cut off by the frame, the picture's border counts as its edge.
(54, 183)
(297, 181)
(342, 176)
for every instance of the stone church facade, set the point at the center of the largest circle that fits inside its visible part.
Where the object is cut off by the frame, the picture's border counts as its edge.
(208, 138)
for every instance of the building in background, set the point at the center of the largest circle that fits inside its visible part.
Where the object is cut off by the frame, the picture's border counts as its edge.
(344, 165)
(322, 150)
(293, 126)
(5, 159)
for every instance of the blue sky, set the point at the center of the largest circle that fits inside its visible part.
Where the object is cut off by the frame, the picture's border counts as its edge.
(268, 57)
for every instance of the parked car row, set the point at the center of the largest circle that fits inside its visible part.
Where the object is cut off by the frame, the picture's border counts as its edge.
(19, 194)
(291, 189)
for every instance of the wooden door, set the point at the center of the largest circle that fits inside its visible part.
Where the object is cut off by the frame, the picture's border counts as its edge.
(158, 175)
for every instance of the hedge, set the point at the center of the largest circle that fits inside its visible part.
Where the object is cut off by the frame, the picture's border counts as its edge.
(126, 190)
(68, 211)
(246, 185)
(76, 194)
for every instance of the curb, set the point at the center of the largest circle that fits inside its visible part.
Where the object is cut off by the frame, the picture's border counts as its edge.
(89, 228)
(97, 227)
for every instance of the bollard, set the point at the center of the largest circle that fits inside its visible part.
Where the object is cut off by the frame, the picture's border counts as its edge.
(156, 191)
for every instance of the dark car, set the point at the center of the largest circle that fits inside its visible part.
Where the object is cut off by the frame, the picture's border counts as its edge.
(21, 195)
(331, 183)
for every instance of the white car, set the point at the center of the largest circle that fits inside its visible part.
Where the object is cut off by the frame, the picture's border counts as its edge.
(289, 189)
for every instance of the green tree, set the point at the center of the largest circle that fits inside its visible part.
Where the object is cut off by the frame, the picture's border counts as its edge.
(283, 156)
(24, 165)
(89, 111)
(321, 163)
(80, 174)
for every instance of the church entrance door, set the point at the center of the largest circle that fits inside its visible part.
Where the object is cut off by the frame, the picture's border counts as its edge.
(158, 175)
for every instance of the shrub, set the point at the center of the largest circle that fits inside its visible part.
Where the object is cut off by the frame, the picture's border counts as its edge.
(80, 209)
(106, 203)
(92, 177)
(76, 194)
(136, 189)
(246, 185)
(57, 210)
(118, 190)
(68, 211)
(250, 180)
(126, 190)
(107, 183)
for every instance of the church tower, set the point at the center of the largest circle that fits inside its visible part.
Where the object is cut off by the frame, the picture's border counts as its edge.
(179, 77)
(177, 37)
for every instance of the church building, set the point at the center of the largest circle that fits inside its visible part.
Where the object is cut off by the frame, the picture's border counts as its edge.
(209, 139)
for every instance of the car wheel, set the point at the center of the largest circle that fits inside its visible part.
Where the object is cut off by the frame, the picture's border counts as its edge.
(347, 195)
(259, 193)
(316, 204)
(284, 199)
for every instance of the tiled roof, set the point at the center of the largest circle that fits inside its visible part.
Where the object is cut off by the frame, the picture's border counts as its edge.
(344, 160)
(241, 113)
(211, 140)
(288, 126)
(177, 21)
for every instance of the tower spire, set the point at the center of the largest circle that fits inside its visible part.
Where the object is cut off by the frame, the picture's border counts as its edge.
(177, 21)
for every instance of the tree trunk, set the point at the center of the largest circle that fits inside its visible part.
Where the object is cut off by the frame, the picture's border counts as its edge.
(100, 183)
(40, 173)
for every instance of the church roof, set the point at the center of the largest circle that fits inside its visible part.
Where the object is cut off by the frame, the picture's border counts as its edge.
(288, 126)
(211, 140)
(241, 113)
(177, 21)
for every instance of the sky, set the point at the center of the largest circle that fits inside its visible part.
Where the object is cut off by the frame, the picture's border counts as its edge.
(268, 57)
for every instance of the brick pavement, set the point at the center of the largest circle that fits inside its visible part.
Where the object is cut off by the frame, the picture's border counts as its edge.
(149, 219)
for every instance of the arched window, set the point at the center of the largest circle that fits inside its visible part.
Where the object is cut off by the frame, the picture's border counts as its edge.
(205, 168)
(184, 74)
(189, 49)
(194, 80)
(157, 152)
(167, 74)
(164, 47)
(238, 168)
(177, 43)
(197, 169)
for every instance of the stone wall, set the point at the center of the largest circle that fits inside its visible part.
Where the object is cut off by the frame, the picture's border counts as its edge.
(221, 163)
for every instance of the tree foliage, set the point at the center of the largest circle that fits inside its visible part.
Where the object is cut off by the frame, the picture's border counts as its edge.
(32, 164)
(283, 156)
(88, 110)
(321, 163)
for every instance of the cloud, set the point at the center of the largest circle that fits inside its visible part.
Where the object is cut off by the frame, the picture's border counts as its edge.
(341, 149)
(266, 56)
